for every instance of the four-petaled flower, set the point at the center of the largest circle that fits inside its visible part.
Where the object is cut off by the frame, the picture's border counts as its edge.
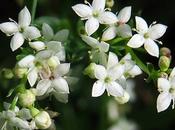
(21, 30)
(107, 78)
(166, 87)
(94, 14)
(120, 28)
(147, 36)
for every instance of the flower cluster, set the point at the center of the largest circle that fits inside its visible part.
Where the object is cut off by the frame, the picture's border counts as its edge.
(44, 67)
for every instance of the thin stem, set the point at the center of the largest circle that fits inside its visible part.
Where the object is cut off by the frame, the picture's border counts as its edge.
(34, 5)
(15, 100)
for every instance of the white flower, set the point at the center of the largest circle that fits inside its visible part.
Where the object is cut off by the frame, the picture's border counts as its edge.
(120, 28)
(20, 31)
(166, 88)
(107, 78)
(42, 120)
(94, 14)
(49, 35)
(14, 118)
(29, 63)
(147, 36)
(37, 45)
(54, 82)
(95, 44)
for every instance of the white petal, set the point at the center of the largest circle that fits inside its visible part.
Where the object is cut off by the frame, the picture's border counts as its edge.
(163, 101)
(135, 71)
(163, 85)
(31, 33)
(38, 45)
(98, 5)
(60, 85)
(115, 89)
(100, 72)
(54, 46)
(103, 46)
(47, 31)
(43, 86)
(172, 75)
(19, 123)
(82, 10)
(27, 61)
(98, 89)
(157, 31)
(109, 33)
(91, 26)
(124, 15)
(16, 41)
(9, 28)
(63, 69)
(151, 47)
(90, 41)
(116, 71)
(136, 41)
(24, 17)
(32, 76)
(108, 18)
(141, 25)
(124, 31)
(62, 97)
(61, 35)
(112, 60)
(61, 55)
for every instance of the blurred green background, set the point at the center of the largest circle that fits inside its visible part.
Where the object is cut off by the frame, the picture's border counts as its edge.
(84, 112)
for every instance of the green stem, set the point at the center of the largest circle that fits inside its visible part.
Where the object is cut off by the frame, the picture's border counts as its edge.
(15, 100)
(138, 61)
(34, 5)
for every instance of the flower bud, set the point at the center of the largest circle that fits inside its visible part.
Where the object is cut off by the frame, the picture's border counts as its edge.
(110, 3)
(164, 63)
(165, 52)
(7, 73)
(20, 72)
(53, 61)
(27, 98)
(42, 120)
(90, 70)
(123, 99)
(38, 45)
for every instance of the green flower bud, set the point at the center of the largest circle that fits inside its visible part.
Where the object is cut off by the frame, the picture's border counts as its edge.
(164, 63)
(43, 120)
(8, 73)
(53, 62)
(165, 52)
(110, 3)
(27, 98)
(123, 99)
(20, 72)
(90, 70)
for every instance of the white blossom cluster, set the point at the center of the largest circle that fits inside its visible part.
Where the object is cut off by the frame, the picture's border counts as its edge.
(111, 74)
(45, 70)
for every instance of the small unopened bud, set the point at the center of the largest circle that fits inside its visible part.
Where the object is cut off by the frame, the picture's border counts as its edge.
(165, 52)
(90, 70)
(42, 120)
(20, 72)
(27, 98)
(38, 45)
(163, 75)
(7, 73)
(110, 3)
(123, 99)
(164, 63)
(53, 62)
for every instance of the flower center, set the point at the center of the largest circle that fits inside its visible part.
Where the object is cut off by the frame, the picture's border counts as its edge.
(107, 80)
(172, 91)
(95, 14)
(146, 35)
